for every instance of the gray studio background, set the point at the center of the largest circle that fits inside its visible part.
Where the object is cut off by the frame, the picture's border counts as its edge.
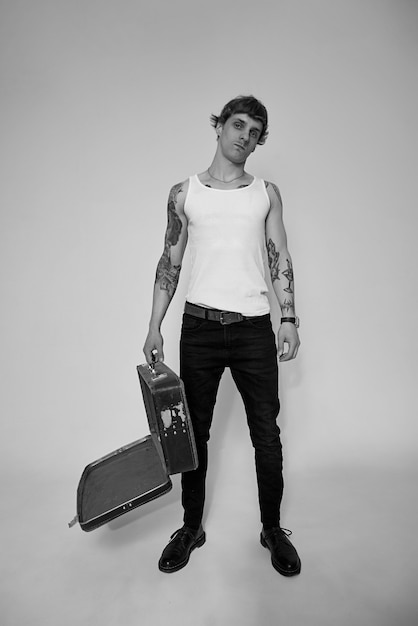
(104, 106)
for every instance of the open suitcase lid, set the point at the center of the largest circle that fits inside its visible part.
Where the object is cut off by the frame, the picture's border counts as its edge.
(139, 472)
(119, 482)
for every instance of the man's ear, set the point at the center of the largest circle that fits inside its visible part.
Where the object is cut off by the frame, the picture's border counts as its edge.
(218, 129)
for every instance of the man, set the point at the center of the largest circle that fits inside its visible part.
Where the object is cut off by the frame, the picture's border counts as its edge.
(230, 219)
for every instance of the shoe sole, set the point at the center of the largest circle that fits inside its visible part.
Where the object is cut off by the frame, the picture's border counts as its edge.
(198, 544)
(283, 572)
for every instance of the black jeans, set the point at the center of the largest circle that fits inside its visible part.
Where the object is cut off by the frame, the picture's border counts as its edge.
(248, 348)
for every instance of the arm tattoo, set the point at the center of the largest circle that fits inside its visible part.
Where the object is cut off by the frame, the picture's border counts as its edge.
(276, 190)
(273, 260)
(167, 274)
(287, 306)
(174, 225)
(289, 275)
(174, 192)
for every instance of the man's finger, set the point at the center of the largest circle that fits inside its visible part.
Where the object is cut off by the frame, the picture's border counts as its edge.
(290, 354)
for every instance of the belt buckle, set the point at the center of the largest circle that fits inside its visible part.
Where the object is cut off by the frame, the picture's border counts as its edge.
(228, 317)
(222, 318)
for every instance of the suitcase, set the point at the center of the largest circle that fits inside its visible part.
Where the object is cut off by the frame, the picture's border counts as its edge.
(168, 416)
(119, 482)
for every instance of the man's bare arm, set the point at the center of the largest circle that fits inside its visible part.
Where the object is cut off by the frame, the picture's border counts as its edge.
(281, 272)
(168, 269)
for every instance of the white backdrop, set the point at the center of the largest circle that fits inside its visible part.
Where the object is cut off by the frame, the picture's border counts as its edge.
(105, 105)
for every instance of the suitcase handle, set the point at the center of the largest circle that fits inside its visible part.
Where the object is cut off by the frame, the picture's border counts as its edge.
(153, 362)
(151, 366)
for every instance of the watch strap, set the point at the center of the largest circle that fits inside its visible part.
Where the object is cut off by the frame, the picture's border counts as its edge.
(292, 320)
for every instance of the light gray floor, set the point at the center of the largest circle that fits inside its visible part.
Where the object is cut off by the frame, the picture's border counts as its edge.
(354, 529)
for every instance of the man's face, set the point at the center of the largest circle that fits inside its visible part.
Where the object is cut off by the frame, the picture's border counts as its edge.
(238, 137)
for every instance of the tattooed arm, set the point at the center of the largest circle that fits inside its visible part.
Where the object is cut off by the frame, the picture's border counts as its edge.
(281, 272)
(168, 268)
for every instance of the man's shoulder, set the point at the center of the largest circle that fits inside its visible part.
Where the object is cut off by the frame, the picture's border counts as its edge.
(273, 191)
(178, 192)
(179, 187)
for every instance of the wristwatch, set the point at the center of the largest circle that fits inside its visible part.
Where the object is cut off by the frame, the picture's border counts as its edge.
(293, 320)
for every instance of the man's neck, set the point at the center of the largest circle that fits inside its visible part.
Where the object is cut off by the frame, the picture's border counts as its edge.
(225, 171)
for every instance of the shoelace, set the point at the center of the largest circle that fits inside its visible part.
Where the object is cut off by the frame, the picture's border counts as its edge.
(180, 535)
(279, 532)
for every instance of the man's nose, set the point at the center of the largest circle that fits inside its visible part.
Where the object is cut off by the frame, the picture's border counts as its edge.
(245, 135)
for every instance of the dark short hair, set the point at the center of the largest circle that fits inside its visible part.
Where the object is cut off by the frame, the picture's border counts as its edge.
(244, 104)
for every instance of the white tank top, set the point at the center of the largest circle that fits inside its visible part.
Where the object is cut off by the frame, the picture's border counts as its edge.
(226, 231)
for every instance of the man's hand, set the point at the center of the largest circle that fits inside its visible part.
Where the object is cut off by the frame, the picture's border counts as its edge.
(288, 334)
(154, 343)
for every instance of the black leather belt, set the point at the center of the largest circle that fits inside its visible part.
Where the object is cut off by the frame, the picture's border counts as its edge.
(223, 317)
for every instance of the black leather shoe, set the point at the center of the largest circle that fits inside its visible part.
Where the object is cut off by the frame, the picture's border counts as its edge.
(177, 553)
(284, 557)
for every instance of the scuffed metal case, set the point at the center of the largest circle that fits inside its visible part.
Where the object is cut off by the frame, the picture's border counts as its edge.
(168, 416)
